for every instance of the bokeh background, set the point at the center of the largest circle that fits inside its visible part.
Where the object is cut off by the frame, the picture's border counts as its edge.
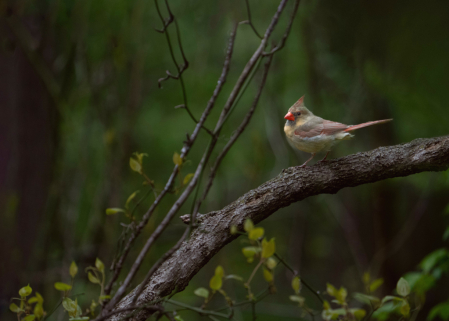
(64, 154)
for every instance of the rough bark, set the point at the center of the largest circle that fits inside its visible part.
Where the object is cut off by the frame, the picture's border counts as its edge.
(293, 185)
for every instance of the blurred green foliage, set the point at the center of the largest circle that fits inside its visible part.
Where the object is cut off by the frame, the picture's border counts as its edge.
(66, 160)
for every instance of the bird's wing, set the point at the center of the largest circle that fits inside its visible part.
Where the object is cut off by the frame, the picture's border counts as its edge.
(310, 128)
(331, 127)
(318, 127)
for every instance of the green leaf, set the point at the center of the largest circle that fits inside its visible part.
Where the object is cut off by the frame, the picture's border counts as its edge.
(25, 291)
(140, 156)
(178, 318)
(92, 278)
(248, 225)
(271, 263)
(216, 282)
(73, 270)
(233, 230)
(130, 198)
(366, 299)
(36, 299)
(376, 284)
(429, 262)
(390, 298)
(256, 233)
(296, 284)
(297, 298)
(115, 210)
(62, 286)
(69, 305)
(177, 159)
(358, 313)
(235, 277)
(384, 311)
(79, 319)
(326, 305)
(441, 310)
(219, 271)
(38, 311)
(202, 292)
(405, 308)
(341, 295)
(268, 275)
(268, 248)
(99, 265)
(366, 278)
(331, 290)
(104, 297)
(187, 178)
(446, 234)
(135, 165)
(14, 308)
(30, 317)
(249, 252)
(403, 288)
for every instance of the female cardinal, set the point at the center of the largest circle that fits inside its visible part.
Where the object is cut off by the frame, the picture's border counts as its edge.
(311, 134)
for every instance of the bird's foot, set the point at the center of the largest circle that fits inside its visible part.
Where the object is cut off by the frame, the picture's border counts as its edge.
(301, 166)
(322, 161)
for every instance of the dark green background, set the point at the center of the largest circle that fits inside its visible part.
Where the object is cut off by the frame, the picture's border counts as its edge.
(64, 161)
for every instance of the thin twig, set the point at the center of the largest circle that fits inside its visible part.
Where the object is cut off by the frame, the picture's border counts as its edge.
(250, 21)
(287, 31)
(236, 134)
(200, 311)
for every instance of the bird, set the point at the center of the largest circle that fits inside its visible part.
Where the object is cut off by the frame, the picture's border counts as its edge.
(312, 134)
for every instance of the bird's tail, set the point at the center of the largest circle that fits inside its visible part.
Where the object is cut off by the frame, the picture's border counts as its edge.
(354, 127)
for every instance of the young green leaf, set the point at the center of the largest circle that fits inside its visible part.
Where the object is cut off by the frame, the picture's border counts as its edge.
(216, 282)
(440, 310)
(115, 210)
(70, 306)
(73, 270)
(248, 225)
(219, 271)
(99, 265)
(366, 299)
(297, 298)
(233, 230)
(202, 292)
(38, 311)
(187, 178)
(235, 277)
(130, 198)
(25, 291)
(271, 263)
(331, 290)
(403, 288)
(92, 278)
(14, 308)
(405, 308)
(256, 233)
(268, 275)
(296, 284)
(376, 284)
(135, 165)
(30, 317)
(268, 248)
(140, 156)
(177, 159)
(36, 299)
(62, 286)
(104, 297)
(359, 314)
(341, 295)
(178, 318)
(249, 252)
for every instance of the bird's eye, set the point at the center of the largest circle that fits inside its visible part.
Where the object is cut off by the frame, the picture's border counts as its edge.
(298, 113)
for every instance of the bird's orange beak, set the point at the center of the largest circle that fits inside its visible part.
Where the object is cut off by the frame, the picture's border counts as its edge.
(289, 116)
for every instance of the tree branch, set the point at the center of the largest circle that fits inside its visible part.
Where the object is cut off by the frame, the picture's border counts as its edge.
(293, 185)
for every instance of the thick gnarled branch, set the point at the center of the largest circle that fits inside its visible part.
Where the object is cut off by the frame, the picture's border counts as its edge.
(293, 185)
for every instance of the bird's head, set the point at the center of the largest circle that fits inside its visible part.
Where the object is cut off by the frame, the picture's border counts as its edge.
(298, 113)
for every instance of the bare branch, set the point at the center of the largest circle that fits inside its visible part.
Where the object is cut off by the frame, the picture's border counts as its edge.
(250, 22)
(287, 31)
(293, 185)
(234, 137)
(185, 150)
